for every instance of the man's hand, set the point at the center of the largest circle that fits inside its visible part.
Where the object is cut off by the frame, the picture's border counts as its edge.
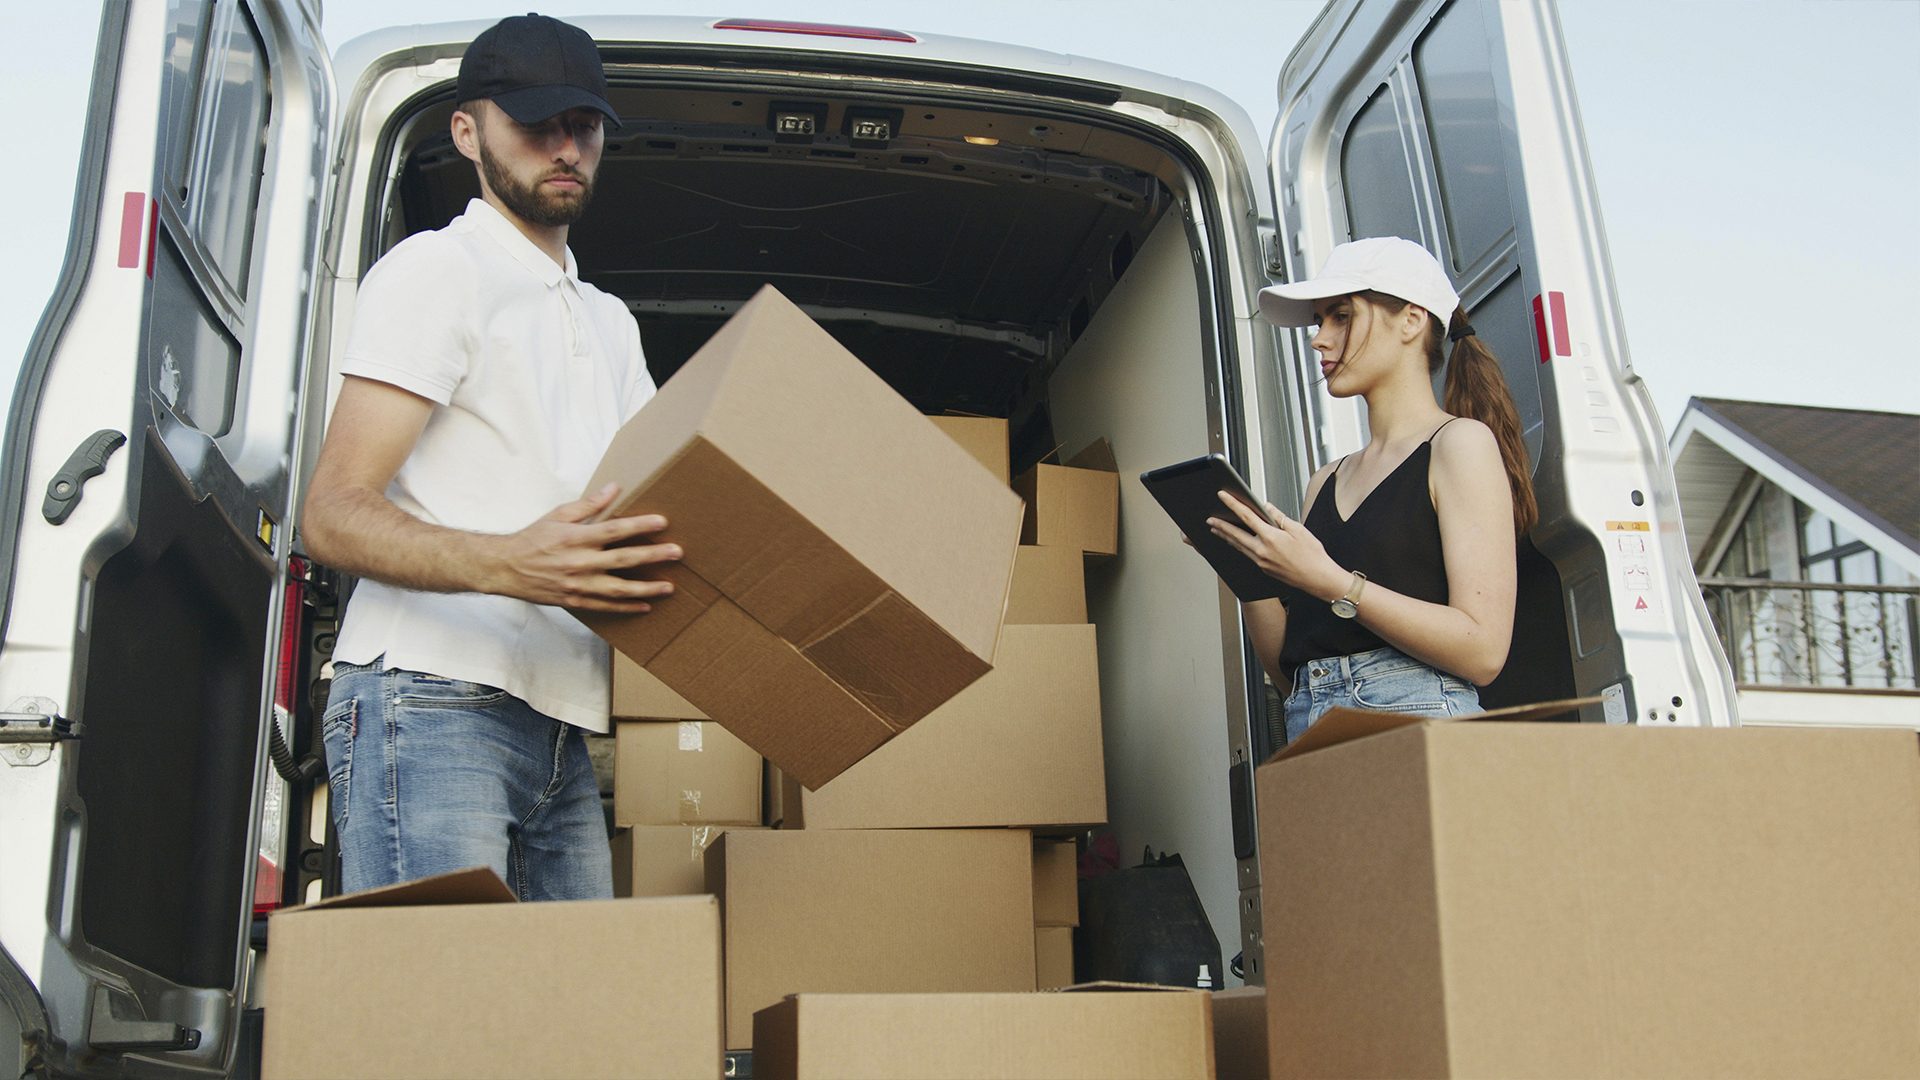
(1286, 551)
(567, 560)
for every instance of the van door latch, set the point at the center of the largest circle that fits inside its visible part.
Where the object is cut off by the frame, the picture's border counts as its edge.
(86, 462)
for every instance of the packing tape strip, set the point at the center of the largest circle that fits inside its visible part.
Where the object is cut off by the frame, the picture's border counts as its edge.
(691, 736)
(702, 836)
(690, 805)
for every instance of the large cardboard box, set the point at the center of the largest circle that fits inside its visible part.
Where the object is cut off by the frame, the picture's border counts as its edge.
(1056, 883)
(1075, 505)
(447, 976)
(1049, 586)
(1083, 1035)
(1488, 898)
(1240, 1033)
(871, 911)
(984, 437)
(638, 695)
(811, 615)
(1020, 747)
(683, 772)
(664, 860)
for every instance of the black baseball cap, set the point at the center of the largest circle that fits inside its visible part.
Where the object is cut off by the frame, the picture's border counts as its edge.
(535, 67)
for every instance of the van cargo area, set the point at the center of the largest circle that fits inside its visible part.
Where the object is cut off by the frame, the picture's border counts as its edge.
(1032, 266)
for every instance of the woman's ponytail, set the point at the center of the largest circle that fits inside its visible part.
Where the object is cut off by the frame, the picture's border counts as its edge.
(1476, 388)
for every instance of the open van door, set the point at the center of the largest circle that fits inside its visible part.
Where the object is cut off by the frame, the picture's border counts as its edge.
(1453, 122)
(143, 552)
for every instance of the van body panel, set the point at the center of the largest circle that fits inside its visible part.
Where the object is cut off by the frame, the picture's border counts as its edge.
(144, 618)
(1454, 122)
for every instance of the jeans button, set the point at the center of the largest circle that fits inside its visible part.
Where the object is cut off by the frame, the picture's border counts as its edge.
(1319, 673)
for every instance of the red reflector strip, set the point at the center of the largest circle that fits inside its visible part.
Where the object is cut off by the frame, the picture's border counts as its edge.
(266, 885)
(133, 216)
(1562, 343)
(1540, 330)
(775, 26)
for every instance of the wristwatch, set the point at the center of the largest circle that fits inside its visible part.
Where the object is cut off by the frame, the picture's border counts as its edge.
(1348, 606)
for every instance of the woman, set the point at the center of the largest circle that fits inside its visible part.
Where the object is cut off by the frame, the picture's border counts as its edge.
(1400, 581)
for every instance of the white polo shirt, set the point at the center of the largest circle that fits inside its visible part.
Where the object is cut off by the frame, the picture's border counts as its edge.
(532, 371)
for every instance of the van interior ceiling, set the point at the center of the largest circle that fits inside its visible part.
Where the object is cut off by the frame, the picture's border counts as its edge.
(960, 256)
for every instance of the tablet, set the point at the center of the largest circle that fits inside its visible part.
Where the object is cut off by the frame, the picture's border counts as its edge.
(1189, 493)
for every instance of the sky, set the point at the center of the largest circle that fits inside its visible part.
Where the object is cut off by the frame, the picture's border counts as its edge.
(1756, 160)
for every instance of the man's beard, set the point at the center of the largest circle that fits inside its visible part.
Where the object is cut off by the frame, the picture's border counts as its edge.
(533, 203)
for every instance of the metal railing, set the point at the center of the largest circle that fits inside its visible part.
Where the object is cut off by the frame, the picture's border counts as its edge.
(1806, 634)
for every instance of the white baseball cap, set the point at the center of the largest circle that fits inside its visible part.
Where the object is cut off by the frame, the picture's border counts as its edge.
(1385, 264)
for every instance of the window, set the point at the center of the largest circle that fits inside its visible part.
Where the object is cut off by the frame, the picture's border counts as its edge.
(1374, 170)
(231, 150)
(1453, 66)
(216, 110)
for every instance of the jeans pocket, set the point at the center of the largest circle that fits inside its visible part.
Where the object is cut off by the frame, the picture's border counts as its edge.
(1413, 690)
(337, 729)
(420, 690)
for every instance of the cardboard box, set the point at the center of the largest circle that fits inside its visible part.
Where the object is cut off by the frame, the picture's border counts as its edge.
(1056, 883)
(810, 615)
(1049, 586)
(985, 437)
(1084, 1035)
(638, 695)
(871, 911)
(1075, 505)
(1487, 898)
(664, 860)
(782, 799)
(447, 976)
(1020, 747)
(1240, 1033)
(1052, 957)
(683, 772)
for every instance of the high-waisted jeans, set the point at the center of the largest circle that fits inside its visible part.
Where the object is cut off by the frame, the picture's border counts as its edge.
(428, 775)
(1383, 678)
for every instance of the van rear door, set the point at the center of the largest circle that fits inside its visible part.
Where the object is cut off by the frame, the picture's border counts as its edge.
(1453, 122)
(142, 544)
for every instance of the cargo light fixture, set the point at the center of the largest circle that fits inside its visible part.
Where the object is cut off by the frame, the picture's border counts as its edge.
(778, 26)
(983, 140)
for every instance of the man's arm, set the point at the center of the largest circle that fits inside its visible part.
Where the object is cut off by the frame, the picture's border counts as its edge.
(562, 559)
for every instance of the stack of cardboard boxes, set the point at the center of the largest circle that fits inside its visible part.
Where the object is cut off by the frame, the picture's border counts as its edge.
(915, 870)
(1491, 897)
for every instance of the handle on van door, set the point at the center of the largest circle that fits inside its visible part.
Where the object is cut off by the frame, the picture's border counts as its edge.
(86, 462)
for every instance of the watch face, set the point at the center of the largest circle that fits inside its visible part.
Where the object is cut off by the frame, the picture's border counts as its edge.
(1345, 608)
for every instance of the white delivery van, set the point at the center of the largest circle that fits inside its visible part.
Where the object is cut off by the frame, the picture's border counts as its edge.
(1069, 244)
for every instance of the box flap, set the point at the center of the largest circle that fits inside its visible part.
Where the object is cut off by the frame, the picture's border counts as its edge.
(1098, 454)
(474, 885)
(1116, 985)
(1341, 724)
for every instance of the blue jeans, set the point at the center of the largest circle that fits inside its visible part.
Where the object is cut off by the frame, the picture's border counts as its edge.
(1384, 678)
(428, 775)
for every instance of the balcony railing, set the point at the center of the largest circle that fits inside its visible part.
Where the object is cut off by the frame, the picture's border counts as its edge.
(1804, 634)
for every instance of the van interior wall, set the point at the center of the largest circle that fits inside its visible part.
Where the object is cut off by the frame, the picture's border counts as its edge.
(1136, 376)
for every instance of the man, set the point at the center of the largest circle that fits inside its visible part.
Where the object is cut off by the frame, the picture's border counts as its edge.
(484, 380)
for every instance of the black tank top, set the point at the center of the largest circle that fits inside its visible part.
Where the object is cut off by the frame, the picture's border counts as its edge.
(1393, 537)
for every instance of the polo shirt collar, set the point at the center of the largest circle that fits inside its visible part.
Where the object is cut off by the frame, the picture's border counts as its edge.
(524, 251)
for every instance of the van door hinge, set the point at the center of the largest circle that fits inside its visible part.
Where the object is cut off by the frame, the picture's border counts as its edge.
(27, 738)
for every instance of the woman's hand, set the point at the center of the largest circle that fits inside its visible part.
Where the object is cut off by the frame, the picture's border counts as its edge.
(1285, 551)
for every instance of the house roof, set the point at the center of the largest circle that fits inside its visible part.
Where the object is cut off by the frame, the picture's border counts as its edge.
(1864, 464)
